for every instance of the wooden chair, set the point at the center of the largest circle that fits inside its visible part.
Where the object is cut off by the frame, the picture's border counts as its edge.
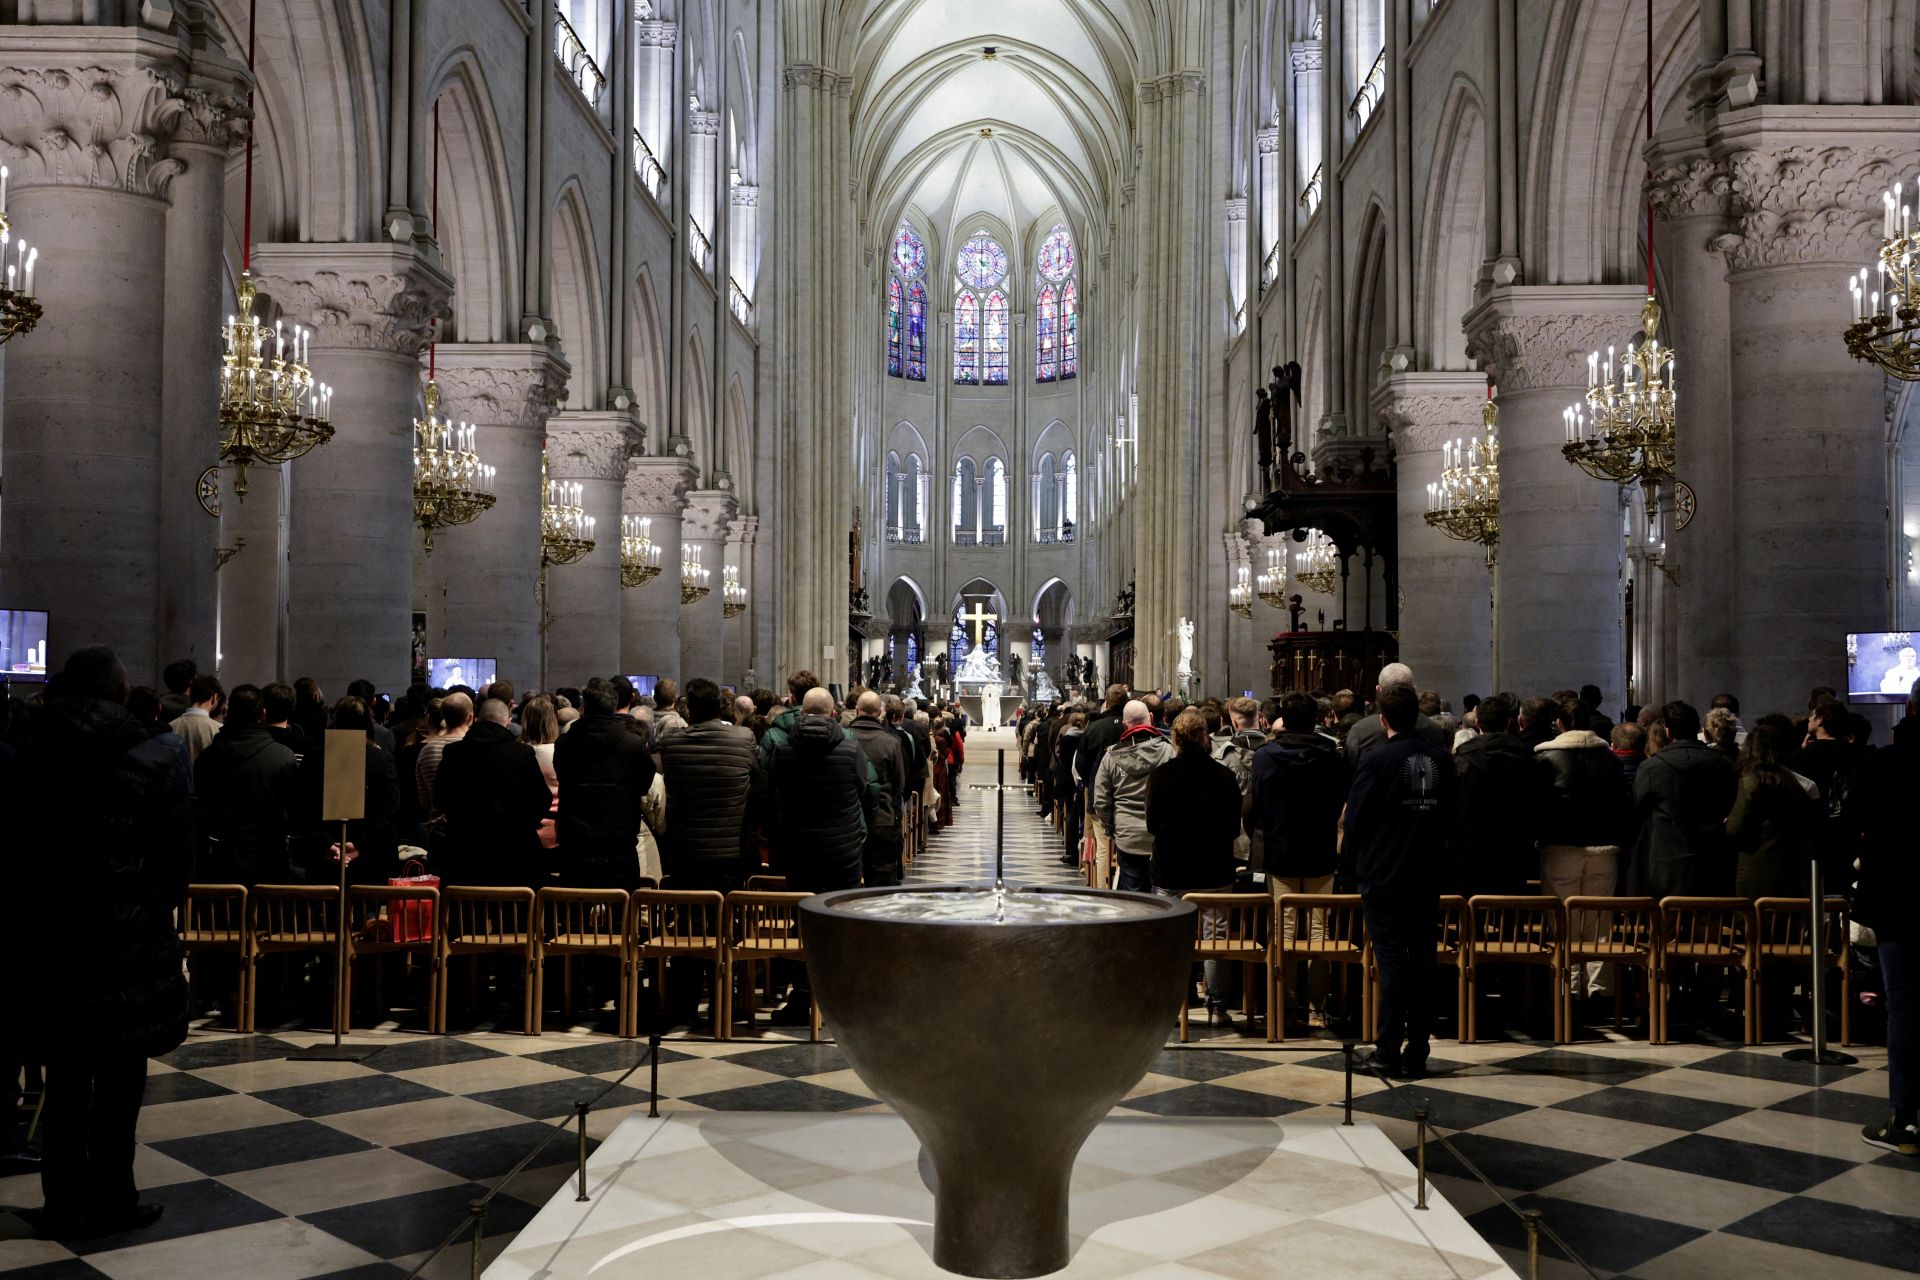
(477, 922)
(766, 884)
(1526, 929)
(213, 917)
(1241, 936)
(284, 919)
(385, 920)
(1450, 952)
(677, 924)
(584, 922)
(1709, 933)
(761, 926)
(1622, 932)
(1783, 935)
(1342, 941)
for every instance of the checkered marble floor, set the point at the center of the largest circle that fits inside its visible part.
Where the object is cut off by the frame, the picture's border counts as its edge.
(964, 852)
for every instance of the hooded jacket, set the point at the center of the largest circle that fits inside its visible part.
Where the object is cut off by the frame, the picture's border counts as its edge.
(1299, 783)
(1681, 798)
(1193, 811)
(1120, 786)
(495, 797)
(1583, 793)
(1101, 733)
(824, 796)
(102, 808)
(604, 767)
(244, 786)
(1235, 750)
(887, 755)
(1495, 815)
(713, 776)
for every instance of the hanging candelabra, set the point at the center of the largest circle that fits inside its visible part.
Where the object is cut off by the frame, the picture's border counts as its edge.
(566, 530)
(1317, 566)
(1465, 502)
(694, 577)
(19, 309)
(1270, 584)
(1240, 594)
(639, 553)
(1886, 311)
(733, 595)
(450, 484)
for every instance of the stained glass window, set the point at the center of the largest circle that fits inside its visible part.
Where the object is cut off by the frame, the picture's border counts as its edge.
(966, 338)
(981, 262)
(1056, 254)
(917, 332)
(909, 252)
(893, 327)
(994, 362)
(1046, 336)
(1069, 331)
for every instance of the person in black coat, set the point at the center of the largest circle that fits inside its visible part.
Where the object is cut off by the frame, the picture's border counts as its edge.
(713, 781)
(605, 765)
(1582, 814)
(824, 799)
(1193, 813)
(373, 835)
(1888, 902)
(1299, 783)
(1497, 808)
(490, 787)
(245, 793)
(102, 810)
(1682, 795)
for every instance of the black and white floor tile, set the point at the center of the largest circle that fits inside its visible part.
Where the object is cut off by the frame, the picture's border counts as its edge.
(964, 852)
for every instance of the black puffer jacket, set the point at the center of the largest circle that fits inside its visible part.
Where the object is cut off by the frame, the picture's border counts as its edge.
(1495, 818)
(1583, 792)
(1681, 798)
(605, 767)
(712, 770)
(490, 787)
(822, 789)
(1193, 811)
(1299, 785)
(105, 820)
(244, 789)
(886, 753)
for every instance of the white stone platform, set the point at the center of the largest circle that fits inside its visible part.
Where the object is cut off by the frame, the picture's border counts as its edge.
(840, 1197)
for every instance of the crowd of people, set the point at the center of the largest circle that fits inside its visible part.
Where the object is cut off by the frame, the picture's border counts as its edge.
(1399, 799)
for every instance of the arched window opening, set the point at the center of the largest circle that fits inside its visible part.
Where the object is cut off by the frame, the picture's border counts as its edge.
(980, 338)
(1056, 348)
(907, 306)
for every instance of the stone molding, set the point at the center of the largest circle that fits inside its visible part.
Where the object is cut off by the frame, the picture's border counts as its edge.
(1306, 55)
(590, 445)
(744, 195)
(1268, 140)
(110, 118)
(358, 297)
(1812, 203)
(1236, 208)
(1689, 188)
(506, 384)
(657, 486)
(1172, 85)
(1538, 336)
(654, 34)
(744, 532)
(806, 75)
(703, 124)
(1420, 411)
(708, 513)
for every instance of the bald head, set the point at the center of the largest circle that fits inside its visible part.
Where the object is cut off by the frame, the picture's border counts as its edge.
(871, 704)
(456, 709)
(743, 708)
(817, 702)
(1395, 673)
(1135, 712)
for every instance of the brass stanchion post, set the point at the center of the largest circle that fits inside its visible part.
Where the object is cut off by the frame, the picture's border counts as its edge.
(580, 1115)
(1420, 1151)
(1346, 1120)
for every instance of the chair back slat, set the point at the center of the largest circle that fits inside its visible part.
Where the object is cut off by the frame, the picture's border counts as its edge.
(1616, 927)
(764, 922)
(1343, 932)
(293, 915)
(487, 919)
(585, 919)
(1241, 924)
(213, 915)
(677, 920)
(408, 913)
(1711, 929)
(1514, 926)
(1783, 927)
(1450, 933)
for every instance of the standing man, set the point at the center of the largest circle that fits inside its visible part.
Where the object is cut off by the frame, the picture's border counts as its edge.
(886, 755)
(825, 800)
(113, 802)
(1681, 799)
(495, 797)
(1366, 733)
(604, 764)
(200, 721)
(712, 771)
(1399, 813)
(1120, 794)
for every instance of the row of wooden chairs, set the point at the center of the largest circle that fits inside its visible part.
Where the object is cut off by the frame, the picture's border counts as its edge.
(1740, 936)
(754, 927)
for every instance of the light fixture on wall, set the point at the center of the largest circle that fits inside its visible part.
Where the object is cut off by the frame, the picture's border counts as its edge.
(271, 408)
(695, 578)
(1465, 502)
(1271, 583)
(19, 309)
(639, 553)
(1240, 594)
(566, 530)
(1625, 432)
(733, 595)
(1317, 566)
(1886, 311)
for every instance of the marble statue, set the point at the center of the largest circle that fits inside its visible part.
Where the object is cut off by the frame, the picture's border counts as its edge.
(1185, 669)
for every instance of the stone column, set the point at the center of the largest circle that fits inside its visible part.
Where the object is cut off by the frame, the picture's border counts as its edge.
(709, 511)
(590, 447)
(650, 615)
(251, 581)
(350, 527)
(653, 114)
(483, 577)
(1810, 475)
(742, 536)
(1446, 616)
(1560, 608)
(743, 240)
(100, 480)
(1273, 199)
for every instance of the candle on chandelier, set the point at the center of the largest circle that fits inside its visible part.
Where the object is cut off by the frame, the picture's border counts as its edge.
(32, 259)
(3, 188)
(1593, 370)
(1886, 213)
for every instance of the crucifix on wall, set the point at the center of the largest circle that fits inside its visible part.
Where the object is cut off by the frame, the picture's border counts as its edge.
(979, 618)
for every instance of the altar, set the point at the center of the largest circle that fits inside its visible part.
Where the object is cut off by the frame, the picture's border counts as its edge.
(974, 704)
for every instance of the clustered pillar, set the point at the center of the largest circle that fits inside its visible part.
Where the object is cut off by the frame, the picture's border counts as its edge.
(704, 527)
(656, 488)
(583, 636)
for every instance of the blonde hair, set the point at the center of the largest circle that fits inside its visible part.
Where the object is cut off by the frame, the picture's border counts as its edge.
(539, 724)
(1190, 729)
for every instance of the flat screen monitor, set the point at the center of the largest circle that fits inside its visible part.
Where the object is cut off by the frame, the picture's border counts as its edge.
(444, 673)
(1881, 666)
(644, 685)
(23, 642)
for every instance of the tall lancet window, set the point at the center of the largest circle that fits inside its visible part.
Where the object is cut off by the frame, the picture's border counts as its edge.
(907, 306)
(1070, 508)
(996, 502)
(1056, 348)
(980, 339)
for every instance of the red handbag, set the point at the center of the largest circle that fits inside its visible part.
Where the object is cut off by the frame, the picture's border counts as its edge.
(411, 919)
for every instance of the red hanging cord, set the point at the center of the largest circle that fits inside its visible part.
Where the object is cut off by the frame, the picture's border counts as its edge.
(1649, 143)
(246, 234)
(433, 209)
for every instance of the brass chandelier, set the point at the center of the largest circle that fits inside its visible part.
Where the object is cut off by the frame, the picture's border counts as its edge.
(639, 553)
(1317, 566)
(1465, 502)
(1240, 594)
(1271, 583)
(1886, 319)
(450, 484)
(694, 577)
(733, 596)
(566, 530)
(19, 309)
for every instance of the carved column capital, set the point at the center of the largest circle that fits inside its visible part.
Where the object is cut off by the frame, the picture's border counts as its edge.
(364, 297)
(657, 486)
(1536, 336)
(1689, 187)
(1811, 202)
(1419, 411)
(590, 445)
(654, 34)
(708, 513)
(505, 384)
